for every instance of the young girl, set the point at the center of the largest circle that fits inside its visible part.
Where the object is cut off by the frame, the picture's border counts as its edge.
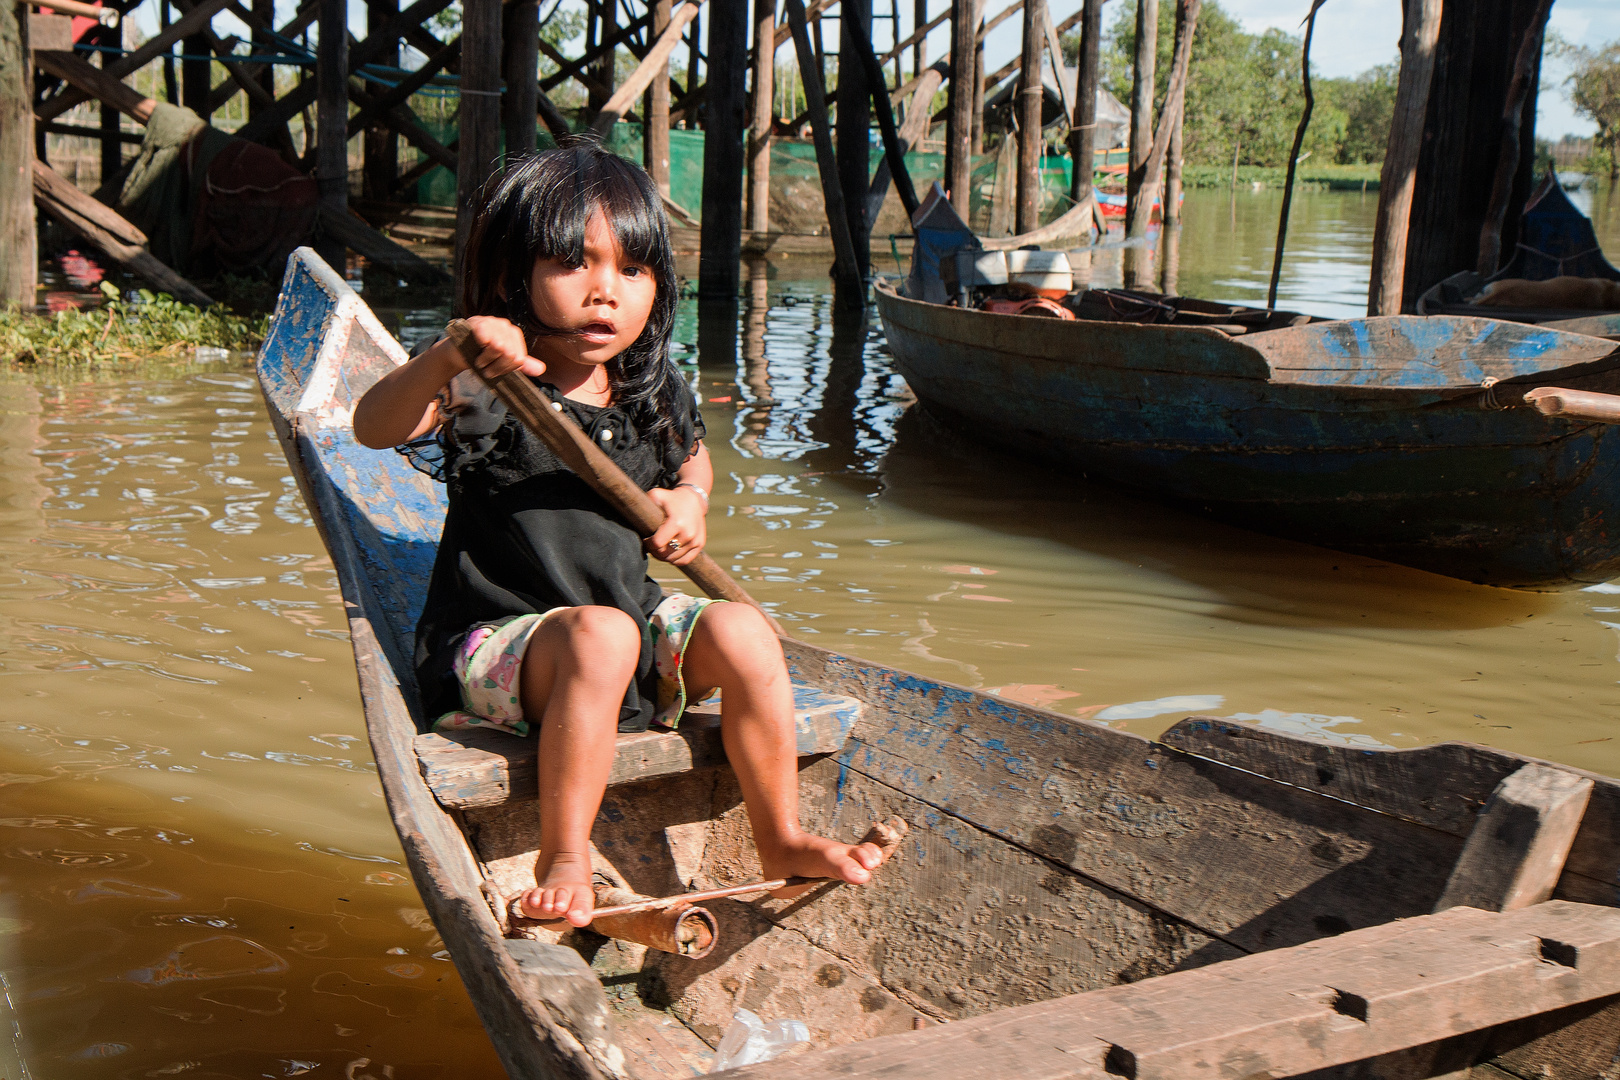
(540, 610)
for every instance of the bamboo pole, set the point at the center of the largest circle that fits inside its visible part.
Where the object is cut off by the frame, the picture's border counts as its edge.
(331, 122)
(18, 239)
(1507, 163)
(1137, 260)
(959, 122)
(759, 137)
(826, 163)
(1083, 132)
(655, 111)
(1175, 100)
(1031, 96)
(1398, 176)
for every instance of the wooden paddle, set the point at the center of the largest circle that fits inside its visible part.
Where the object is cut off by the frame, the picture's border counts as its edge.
(564, 438)
(1575, 404)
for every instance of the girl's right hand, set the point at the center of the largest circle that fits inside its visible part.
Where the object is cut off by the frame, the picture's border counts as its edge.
(504, 348)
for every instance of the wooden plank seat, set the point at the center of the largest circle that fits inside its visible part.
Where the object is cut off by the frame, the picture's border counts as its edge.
(478, 767)
(1281, 1013)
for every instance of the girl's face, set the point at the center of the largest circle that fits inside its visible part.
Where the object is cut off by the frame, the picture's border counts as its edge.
(600, 306)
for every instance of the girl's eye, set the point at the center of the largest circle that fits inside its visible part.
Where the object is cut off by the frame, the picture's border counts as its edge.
(633, 271)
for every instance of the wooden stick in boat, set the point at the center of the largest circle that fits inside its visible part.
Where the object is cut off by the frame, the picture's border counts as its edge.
(1575, 404)
(885, 834)
(569, 443)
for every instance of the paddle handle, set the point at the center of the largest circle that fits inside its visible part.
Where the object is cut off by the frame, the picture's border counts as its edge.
(564, 438)
(1575, 404)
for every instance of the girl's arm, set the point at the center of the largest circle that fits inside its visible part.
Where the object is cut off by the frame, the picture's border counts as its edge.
(684, 509)
(402, 405)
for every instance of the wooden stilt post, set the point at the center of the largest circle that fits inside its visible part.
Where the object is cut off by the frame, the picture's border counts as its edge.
(720, 250)
(1396, 178)
(1138, 262)
(1526, 68)
(196, 75)
(759, 137)
(382, 145)
(331, 121)
(480, 111)
(854, 131)
(265, 12)
(977, 149)
(959, 115)
(1031, 96)
(1083, 132)
(521, 58)
(19, 269)
(919, 51)
(603, 69)
(655, 110)
(171, 85)
(815, 96)
(112, 153)
(694, 56)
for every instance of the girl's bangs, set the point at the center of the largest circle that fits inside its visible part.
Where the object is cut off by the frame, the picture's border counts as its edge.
(593, 181)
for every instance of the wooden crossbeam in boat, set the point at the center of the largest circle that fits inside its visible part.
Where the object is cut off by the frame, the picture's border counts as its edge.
(1281, 1013)
(1515, 853)
(477, 767)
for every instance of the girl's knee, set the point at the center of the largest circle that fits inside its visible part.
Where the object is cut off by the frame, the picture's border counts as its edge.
(599, 633)
(742, 635)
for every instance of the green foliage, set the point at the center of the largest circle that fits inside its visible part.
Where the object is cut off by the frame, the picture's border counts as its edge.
(1244, 96)
(122, 332)
(1594, 90)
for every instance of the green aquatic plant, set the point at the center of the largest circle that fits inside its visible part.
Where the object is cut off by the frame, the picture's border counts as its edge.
(142, 326)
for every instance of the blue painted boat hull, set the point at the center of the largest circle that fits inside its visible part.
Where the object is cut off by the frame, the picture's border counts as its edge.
(1405, 439)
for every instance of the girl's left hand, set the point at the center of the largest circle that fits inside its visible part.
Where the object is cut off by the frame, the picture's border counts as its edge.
(683, 526)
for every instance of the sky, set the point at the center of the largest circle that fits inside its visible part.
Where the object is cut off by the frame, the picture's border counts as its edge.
(1354, 35)
(1351, 36)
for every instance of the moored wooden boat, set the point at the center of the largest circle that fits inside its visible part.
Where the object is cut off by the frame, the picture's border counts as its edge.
(1072, 901)
(1404, 437)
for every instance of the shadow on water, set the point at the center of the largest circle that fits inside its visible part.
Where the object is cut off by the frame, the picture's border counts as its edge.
(1263, 580)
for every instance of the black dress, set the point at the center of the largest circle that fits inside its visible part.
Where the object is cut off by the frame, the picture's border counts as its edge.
(524, 534)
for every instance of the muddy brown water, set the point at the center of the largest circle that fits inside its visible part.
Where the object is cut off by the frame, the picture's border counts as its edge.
(199, 877)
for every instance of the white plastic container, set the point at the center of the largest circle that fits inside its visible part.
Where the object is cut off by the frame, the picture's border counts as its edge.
(1047, 273)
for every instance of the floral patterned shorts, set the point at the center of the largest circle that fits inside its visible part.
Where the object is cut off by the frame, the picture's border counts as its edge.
(489, 666)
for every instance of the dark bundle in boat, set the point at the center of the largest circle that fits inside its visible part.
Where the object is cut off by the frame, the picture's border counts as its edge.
(1071, 901)
(1404, 437)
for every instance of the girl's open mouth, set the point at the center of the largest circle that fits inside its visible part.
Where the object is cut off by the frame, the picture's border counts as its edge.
(599, 331)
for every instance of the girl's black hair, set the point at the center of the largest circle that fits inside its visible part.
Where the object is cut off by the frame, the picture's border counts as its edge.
(538, 209)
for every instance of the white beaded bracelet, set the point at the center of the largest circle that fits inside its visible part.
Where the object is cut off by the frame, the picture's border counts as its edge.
(704, 495)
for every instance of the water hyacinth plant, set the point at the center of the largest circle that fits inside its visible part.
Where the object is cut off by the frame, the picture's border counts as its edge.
(140, 326)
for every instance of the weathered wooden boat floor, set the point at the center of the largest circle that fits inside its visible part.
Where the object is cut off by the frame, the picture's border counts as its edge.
(1048, 856)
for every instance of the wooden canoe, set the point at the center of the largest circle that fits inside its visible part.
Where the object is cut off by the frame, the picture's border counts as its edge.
(1403, 437)
(1072, 901)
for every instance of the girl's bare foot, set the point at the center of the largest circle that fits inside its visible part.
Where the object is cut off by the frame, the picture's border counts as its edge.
(811, 856)
(565, 890)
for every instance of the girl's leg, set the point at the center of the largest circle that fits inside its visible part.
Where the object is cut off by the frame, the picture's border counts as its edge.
(732, 647)
(574, 675)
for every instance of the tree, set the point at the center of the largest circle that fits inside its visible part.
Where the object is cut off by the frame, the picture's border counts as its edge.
(1243, 92)
(1594, 90)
